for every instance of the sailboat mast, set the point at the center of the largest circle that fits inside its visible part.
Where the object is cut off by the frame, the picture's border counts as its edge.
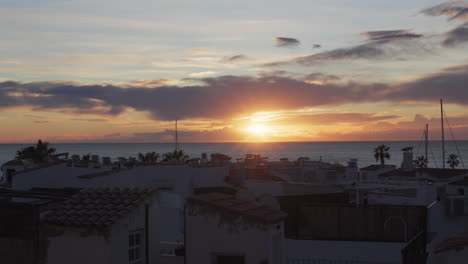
(443, 134)
(176, 137)
(426, 141)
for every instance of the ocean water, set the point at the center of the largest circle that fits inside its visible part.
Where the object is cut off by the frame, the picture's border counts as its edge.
(339, 152)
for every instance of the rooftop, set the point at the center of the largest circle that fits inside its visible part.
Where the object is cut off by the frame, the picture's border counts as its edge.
(463, 182)
(376, 167)
(250, 209)
(96, 208)
(431, 172)
(457, 242)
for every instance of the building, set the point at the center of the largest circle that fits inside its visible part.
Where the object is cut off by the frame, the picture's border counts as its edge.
(453, 250)
(227, 229)
(106, 225)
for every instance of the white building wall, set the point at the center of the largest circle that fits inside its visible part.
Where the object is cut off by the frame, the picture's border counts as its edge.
(181, 178)
(57, 176)
(72, 248)
(289, 188)
(342, 252)
(204, 238)
(449, 257)
(440, 226)
(453, 189)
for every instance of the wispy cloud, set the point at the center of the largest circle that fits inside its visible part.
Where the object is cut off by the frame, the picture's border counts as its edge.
(286, 42)
(235, 58)
(456, 36)
(202, 74)
(390, 35)
(318, 76)
(453, 10)
(379, 45)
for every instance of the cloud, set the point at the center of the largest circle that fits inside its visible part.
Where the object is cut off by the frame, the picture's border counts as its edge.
(40, 122)
(216, 135)
(234, 58)
(202, 74)
(384, 44)
(456, 36)
(112, 135)
(147, 83)
(227, 97)
(286, 42)
(453, 10)
(364, 51)
(89, 119)
(316, 46)
(318, 76)
(338, 118)
(390, 35)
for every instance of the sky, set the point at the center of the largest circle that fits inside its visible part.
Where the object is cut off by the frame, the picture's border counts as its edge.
(229, 71)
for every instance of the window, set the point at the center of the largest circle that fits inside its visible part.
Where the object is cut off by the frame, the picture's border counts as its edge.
(135, 253)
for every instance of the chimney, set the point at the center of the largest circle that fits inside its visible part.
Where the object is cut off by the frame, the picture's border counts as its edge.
(407, 164)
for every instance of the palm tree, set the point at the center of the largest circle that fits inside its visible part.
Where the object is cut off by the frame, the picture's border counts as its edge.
(453, 161)
(151, 157)
(86, 157)
(176, 155)
(38, 153)
(381, 153)
(421, 162)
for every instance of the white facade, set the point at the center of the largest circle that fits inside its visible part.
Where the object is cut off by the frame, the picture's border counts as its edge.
(206, 239)
(441, 226)
(449, 257)
(342, 252)
(74, 246)
(289, 188)
(179, 178)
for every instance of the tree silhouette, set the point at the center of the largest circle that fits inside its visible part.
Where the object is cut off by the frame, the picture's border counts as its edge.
(38, 153)
(381, 153)
(148, 157)
(453, 161)
(176, 155)
(420, 162)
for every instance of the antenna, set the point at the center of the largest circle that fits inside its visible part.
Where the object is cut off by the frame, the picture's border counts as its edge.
(176, 137)
(426, 141)
(443, 135)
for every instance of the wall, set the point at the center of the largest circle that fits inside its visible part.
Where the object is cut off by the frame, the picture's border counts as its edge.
(342, 252)
(440, 226)
(181, 178)
(72, 248)
(132, 222)
(287, 188)
(205, 237)
(56, 176)
(449, 257)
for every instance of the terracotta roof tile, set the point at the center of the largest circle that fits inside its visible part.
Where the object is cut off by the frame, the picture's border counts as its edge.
(99, 207)
(457, 242)
(250, 209)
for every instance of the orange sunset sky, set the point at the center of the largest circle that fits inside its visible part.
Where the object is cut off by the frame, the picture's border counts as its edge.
(74, 71)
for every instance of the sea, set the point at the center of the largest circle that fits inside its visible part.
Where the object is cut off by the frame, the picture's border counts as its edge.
(333, 152)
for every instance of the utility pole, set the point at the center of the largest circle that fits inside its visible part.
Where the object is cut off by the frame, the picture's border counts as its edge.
(443, 135)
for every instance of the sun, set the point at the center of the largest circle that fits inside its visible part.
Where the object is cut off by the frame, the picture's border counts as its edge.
(257, 129)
